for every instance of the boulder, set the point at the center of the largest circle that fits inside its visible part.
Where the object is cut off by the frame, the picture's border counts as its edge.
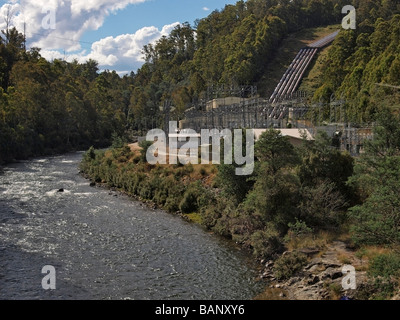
(332, 273)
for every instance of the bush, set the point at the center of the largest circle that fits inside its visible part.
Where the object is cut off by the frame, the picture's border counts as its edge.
(299, 228)
(117, 140)
(376, 221)
(297, 231)
(189, 202)
(194, 198)
(289, 264)
(203, 171)
(385, 265)
(175, 195)
(144, 145)
(266, 242)
(321, 206)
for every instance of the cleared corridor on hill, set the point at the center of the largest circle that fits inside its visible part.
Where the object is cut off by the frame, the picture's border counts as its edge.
(295, 72)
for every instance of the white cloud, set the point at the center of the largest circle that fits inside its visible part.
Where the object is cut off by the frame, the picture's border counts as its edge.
(123, 52)
(73, 19)
(206, 9)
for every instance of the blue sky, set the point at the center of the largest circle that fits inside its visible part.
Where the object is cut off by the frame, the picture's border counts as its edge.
(112, 32)
(156, 13)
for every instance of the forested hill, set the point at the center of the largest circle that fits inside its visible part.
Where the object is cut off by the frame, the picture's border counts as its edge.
(235, 45)
(363, 65)
(53, 107)
(58, 106)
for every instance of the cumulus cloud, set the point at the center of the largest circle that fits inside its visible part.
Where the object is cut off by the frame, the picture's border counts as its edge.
(124, 52)
(72, 19)
(206, 9)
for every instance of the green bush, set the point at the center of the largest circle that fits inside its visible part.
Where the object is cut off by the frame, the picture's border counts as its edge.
(266, 242)
(175, 195)
(189, 202)
(289, 264)
(145, 145)
(203, 171)
(194, 198)
(299, 228)
(385, 265)
(321, 206)
(117, 140)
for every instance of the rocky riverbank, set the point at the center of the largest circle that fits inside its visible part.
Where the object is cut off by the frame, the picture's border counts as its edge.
(312, 267)
(321, 278)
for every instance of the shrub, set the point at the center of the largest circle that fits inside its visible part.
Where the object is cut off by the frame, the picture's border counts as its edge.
(266, 242)
(289, 264)
(385, 265)
(376, 221)
(203, 171)
(144, 145)
(299, 228)
(321, 206)
(117, 140)
(297, 232)
(175, 195)
(194, 198)
(189, 202)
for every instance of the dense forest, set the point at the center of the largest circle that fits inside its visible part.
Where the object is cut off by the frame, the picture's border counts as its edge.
(362, 60)
(57, 106)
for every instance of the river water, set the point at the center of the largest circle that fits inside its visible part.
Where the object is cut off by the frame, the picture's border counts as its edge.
(103, 245)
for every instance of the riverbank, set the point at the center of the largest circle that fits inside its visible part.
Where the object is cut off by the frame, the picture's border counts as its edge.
(104, 246)
(173, 182)
(320, 279)
(302, 263)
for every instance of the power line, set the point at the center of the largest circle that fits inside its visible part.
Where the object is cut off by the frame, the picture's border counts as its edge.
(61, 38)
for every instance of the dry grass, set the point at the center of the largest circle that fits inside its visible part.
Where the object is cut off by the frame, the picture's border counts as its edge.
(318, 241)
(345, 258)
(203, 172)
(272, 294)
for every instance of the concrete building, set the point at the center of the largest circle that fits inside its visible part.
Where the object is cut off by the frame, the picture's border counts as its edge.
(295, 135)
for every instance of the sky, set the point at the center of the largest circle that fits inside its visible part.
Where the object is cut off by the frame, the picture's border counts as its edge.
(112, 32)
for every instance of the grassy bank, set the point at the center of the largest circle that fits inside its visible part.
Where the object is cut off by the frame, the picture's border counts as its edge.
(177, 189)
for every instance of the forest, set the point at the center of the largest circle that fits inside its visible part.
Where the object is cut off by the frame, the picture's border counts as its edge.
(55, 106)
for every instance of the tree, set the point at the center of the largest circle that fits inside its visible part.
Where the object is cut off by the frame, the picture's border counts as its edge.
(377, 220)
(275, 151)
(275, 193)
(323, 163)
(377, 176)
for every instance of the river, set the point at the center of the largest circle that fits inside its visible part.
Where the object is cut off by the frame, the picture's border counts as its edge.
(103, 245)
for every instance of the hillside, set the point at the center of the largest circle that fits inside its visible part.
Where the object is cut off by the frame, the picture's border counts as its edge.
(72, 106)
(285, 54)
